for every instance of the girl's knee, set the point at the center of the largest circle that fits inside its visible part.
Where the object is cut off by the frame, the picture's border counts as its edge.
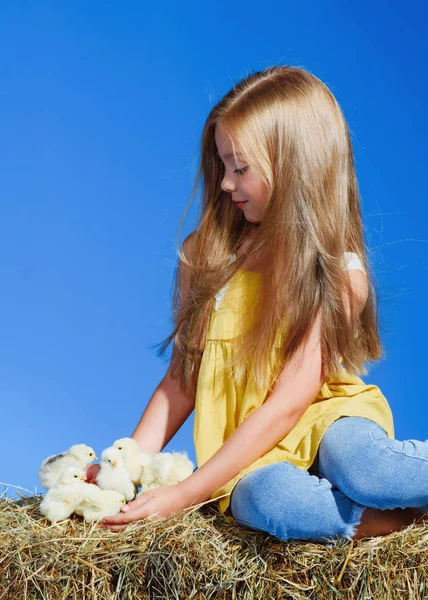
(264, 487)
(346, 449)
(357, 456)
(279, 493)
(300, 506)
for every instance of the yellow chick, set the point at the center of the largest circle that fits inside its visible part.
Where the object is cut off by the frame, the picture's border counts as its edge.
(165, 468)
(133, 458)
(113, 474)
(79, 455)
(96, 503)
(61, 500)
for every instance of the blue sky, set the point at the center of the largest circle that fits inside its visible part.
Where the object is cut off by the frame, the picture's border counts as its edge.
(101, 110)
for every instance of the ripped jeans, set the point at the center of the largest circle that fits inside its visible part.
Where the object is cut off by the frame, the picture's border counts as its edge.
(357, 465)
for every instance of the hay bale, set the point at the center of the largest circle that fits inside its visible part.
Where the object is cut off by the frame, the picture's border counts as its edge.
(197, 554)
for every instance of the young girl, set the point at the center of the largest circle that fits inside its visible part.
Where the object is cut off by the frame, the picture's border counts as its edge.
(275, 314)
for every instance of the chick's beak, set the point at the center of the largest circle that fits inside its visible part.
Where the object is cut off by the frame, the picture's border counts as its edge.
(83, 478)
(114, 463)
(96, 457)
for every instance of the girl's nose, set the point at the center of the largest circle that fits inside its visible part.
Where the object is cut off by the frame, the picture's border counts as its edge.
(227, 185)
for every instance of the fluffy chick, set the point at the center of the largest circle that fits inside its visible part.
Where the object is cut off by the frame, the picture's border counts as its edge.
(133, 457)
(165, 468)
(79, 455)
(96, 503)
(113, 474)
(149, 475)
(146, 459)
(61, 500)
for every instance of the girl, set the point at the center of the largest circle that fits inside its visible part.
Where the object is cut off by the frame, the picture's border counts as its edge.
(275, 314)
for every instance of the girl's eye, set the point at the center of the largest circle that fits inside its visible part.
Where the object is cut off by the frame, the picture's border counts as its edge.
(241, 171)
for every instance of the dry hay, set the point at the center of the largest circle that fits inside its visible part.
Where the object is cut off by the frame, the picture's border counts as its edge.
(197, 554)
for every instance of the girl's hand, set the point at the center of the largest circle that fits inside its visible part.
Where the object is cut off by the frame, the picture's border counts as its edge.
(153, 504)
(91, 472)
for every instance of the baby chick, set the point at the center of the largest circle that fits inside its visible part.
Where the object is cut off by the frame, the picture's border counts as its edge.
(113, 474)
(146, 459)
(79, 455)
(61, 500)
(133, 457)
(96, 503)
(165, 468)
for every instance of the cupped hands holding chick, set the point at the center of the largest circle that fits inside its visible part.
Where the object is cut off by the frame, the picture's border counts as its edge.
(154, 504)
(162, 492)
(96, 492)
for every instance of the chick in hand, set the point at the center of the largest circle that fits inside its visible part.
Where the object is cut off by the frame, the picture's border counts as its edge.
(79, 455)
(96, 503)
(113, 474)
(132, 456)
(61, 500)
(165, 468)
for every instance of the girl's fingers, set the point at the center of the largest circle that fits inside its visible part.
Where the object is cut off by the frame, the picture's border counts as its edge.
(135, 503)
(131, 505)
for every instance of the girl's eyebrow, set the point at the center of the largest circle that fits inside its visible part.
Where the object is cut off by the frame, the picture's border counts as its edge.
(229, 155)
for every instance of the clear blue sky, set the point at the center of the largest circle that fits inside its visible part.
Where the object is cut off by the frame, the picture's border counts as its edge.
(101, 109)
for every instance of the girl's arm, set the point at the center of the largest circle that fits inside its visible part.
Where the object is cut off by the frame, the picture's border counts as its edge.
(163, 416)
(167, 410)
(170, 406)
(293, 392)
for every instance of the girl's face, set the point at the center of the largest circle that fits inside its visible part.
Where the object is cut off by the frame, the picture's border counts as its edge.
(241, 181)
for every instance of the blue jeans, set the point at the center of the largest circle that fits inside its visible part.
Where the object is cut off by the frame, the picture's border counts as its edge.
(357, 465)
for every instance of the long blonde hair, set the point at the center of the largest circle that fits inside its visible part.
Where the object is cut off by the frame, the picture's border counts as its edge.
(291, 130)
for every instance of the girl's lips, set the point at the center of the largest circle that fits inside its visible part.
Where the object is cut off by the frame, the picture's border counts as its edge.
(239, 204)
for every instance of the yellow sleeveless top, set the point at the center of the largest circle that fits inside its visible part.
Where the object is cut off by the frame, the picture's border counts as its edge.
(224, 400)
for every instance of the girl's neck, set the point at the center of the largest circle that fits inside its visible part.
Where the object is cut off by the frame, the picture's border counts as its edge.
(252, 262)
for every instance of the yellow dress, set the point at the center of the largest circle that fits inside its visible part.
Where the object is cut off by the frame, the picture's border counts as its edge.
(223, 401)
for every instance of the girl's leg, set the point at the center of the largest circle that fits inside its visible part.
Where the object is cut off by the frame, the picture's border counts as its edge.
(357, 456)
(290, 503)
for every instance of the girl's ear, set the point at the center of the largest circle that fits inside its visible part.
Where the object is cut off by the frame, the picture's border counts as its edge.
(359, 290)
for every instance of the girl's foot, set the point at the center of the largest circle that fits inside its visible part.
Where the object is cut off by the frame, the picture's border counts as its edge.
(375, 521)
